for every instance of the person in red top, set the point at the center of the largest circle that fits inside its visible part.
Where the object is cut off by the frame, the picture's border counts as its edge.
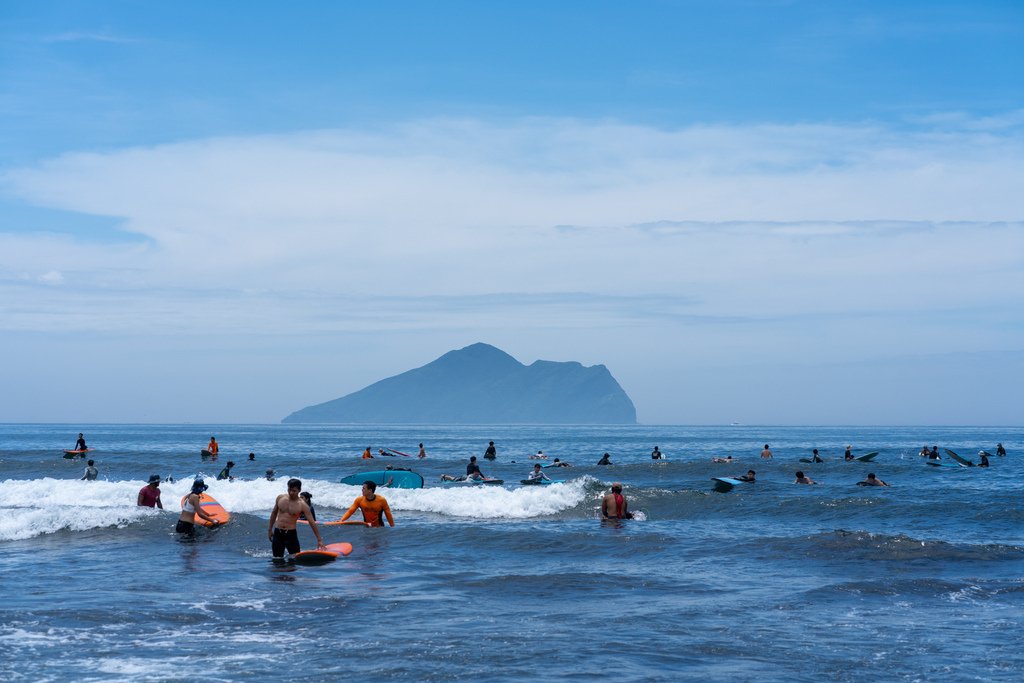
(615, 505)
(213, 447)
(367, 455)
(149, 495)
(372, 506)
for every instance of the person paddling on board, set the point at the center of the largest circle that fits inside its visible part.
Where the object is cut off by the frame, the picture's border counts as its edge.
(308, 498)
(537, 473)
(371, 505)
(80, 444)
(1000, 451)
(615, 505)
(213, 448)
(801, 479)
(281, 530)
(815, 457)
(367, 455)
(605, 460)
(727, 458)
(749, 476)
(766, 453)
(872, 480)
(226, 472)
(559, 463)
(656, 454)
(491, 453)
(192, 507)
(149, 495)
(90, 472)
(540, 456)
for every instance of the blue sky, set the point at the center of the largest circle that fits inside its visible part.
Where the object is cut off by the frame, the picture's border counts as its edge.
(764, 212)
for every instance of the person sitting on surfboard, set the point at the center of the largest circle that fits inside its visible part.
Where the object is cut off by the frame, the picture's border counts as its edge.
(491, 453)
(90, 472)
(473, 470)
(801, 479)
(367, 455)
(872, 480)
(281, 531)
(149, 495)
(192, 507)
(537, 473)
(984, 459)
(749, 476)
(213, 448)
(815, 457)
(371, 505)
(80, 444)
(308, 497)
(924, 452)
(560, 463)
(848, 455)
(615, 505)
(605, 460)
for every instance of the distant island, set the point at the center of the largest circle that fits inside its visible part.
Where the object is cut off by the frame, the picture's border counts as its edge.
(481, 384)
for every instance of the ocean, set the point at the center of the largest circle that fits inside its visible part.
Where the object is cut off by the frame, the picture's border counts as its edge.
(920, 581)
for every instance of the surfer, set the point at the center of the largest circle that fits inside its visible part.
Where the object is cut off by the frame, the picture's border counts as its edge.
(149, 495)
(815, 457)
(934, 454)
(192, 507)
(766, 453)
(281, 530)
(422, 453)
(308, 497)
(560, 463)
(213, 448)
(269, 476)
(656, 454)
(491, 453)
(540, 456)
(727, 458)
(537, 473)
(80, 444)
(226, 473)
(367, 455)
(90, 472)
(848, 455)
(749, 476)
(801, 479)
(984, 459)
(371, 506)
(473, 470)
(924, 452)
(605, 460)
(252, 457)
(1000, 451)
(872, 480)
(615, 505)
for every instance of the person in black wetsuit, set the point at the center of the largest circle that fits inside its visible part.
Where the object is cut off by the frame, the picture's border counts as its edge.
(605, 460)
(80, 444)
(308, 497)
(226, 472)
(1000, 451)
(848, 455)
(815, 457)
(491, 453)
(656, 454)
(473, 470)
(749, 476)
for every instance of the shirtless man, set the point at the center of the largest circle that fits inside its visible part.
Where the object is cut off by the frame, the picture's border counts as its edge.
(801, 478)
(371, 505)
(615, 505)
(872, 480)
(766, 453)
(281, 530)
(751, 475)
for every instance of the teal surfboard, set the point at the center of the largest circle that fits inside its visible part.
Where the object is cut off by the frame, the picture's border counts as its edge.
(394, 479)
(867, 457)
(536, 482)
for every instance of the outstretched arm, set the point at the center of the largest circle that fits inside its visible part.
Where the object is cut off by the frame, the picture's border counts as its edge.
(351, 510)
(387, 513)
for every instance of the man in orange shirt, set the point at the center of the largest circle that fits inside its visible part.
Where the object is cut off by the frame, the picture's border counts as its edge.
(372, 506)
(367, 455)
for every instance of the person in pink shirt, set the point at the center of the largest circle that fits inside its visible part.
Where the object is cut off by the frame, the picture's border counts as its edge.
(149, 495)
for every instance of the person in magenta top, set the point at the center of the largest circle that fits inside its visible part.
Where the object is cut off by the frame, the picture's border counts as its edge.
(149, 495)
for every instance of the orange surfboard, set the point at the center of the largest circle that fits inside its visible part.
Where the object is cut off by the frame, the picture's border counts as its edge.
(211, 507)
(336, 522)
(330, 552)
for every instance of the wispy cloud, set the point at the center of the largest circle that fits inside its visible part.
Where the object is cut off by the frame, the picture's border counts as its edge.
(88, 37)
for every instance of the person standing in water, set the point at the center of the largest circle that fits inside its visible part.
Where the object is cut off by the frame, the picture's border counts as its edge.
(149, 495)
(372, 506)
(815, 457)
(281, 531)
(80, 444)
(848, 455)
(90, 472)
(656, 454)
(766, 453)
(1000, 451)
(606, 459)
(422, 453)
(614, 505)
(192, 506)
(491, 453)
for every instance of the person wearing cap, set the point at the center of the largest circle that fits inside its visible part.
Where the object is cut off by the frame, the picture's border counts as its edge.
(191, 507)
(226, 472)
(615, 505)
(149, 495)
(281, 531)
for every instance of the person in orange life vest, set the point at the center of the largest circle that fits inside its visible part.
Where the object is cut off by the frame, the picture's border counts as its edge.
(367, 455)
(213, 447)
(371, 506)
(615, 505)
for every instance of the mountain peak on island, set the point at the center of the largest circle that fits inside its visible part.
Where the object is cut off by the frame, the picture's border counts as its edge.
(481, 384)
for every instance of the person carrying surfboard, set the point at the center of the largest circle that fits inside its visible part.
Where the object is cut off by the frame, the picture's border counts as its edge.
(191, 507)
(287, 510)
(372, 506)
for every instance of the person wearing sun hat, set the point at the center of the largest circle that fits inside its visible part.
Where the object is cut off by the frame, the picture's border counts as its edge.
(149, 495)
(191, 507)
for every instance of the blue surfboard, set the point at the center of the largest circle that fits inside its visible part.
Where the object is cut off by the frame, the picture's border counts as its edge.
(394, 479)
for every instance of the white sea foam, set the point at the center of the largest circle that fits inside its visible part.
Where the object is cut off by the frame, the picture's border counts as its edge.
(41, 506)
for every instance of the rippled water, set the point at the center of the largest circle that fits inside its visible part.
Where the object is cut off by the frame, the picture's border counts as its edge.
(920, 581)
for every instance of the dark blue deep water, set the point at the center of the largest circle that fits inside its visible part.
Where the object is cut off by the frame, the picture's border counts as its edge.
(920, 581)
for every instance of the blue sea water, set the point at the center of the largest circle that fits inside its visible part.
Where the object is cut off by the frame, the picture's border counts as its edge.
(920, 581)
